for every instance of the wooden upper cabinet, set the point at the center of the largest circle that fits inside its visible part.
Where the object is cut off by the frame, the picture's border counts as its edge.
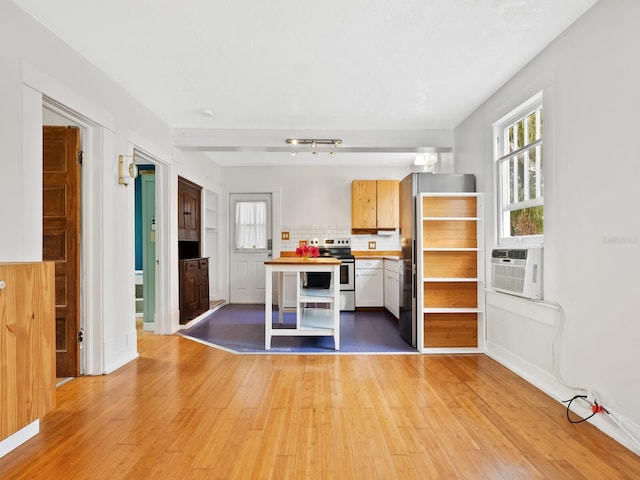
(375, 205)
(388, 206)
(189, 206)
(363, 204)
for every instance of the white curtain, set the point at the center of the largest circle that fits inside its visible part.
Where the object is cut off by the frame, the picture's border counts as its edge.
(251, 225)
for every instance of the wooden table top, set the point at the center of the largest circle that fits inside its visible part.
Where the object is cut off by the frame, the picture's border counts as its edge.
(303, 261)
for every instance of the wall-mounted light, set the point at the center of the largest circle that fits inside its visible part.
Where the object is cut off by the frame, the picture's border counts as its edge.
(427, 161)
(128, 170)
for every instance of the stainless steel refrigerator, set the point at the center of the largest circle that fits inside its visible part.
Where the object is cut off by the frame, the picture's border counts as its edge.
(410, 187)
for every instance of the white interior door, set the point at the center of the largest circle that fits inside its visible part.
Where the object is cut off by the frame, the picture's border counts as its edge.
(250, 245)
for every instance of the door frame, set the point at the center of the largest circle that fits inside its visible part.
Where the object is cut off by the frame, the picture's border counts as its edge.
(89, 306)
(149, 253)
(164, 320)
(98, 142)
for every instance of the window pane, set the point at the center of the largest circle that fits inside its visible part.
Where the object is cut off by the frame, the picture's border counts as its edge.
(251, 225)
(531, 125)
(511, 163)
(535, 174)
(520, 179)
(527, 221)
(510, 147)
(520, 129)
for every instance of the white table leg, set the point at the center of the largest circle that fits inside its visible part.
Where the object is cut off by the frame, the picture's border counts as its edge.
(268, 307)
(280, 296)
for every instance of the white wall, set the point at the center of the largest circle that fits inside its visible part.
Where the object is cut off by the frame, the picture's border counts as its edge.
(304, 196)
(310, 195)
(34, 64)
(590, 78)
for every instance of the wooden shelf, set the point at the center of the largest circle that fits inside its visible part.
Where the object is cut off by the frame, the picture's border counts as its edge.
(443, 263)
(316, 295)
(317, 319)
(451, 329)
(450, 295)
(448, 206)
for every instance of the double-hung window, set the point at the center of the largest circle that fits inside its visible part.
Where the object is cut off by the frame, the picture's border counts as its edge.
(520, 186)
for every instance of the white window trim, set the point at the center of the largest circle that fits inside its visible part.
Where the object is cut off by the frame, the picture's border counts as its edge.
(498, 132)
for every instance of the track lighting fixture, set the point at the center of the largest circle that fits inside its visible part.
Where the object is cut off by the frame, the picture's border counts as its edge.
(314, 143)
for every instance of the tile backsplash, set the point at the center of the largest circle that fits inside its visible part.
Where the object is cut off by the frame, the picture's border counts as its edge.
(320, 232)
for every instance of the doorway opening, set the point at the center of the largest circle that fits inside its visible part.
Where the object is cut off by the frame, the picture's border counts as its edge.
(145, 244)
(59, 123)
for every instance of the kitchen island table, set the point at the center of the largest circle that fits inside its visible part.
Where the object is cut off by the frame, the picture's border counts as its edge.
(323, 319)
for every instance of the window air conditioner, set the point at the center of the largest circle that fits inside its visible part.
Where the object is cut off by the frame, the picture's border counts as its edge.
(517, 271)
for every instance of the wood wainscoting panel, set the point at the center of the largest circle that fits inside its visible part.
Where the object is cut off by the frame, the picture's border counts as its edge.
(27, 350)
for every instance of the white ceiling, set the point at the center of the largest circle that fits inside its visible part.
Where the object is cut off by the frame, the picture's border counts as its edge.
(311, 67)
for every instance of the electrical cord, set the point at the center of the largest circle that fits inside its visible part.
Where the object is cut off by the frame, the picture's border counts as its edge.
(595, 409)
(555, 354)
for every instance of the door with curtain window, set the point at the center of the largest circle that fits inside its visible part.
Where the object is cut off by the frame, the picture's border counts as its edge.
(250, 246)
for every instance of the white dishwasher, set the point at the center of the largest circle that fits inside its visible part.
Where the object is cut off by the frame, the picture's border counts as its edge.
(369, 283)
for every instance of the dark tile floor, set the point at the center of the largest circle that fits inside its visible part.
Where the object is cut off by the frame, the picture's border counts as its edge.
(240, 328)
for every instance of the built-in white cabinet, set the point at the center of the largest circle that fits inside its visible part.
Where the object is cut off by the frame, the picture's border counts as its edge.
(369, 283)
(211, 239)
(392, 286)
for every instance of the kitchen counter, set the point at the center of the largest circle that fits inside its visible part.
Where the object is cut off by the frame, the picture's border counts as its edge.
(303, 261)
(377, 254)
(378, 257)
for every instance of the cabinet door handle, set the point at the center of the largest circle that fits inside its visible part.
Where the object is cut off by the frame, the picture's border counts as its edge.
(3, 284)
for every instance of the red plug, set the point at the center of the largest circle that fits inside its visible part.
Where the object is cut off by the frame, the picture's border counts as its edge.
(595, 408)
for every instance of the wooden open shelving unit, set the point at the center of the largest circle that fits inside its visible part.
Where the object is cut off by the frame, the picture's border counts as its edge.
(450, 270)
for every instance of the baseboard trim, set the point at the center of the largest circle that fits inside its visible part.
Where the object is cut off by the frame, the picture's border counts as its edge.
(21, 436)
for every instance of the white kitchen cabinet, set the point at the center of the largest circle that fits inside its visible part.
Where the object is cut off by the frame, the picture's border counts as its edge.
(392, 287)
(369, 283)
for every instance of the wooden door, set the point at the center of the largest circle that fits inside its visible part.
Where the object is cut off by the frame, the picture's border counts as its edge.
(363, 204)
(188, 289)
(387, 204)
(203, 285)
(148, 197)
(188, 210)
(249, 213)
(61, 238)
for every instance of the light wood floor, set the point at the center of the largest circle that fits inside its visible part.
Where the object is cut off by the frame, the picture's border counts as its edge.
(187, 411)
